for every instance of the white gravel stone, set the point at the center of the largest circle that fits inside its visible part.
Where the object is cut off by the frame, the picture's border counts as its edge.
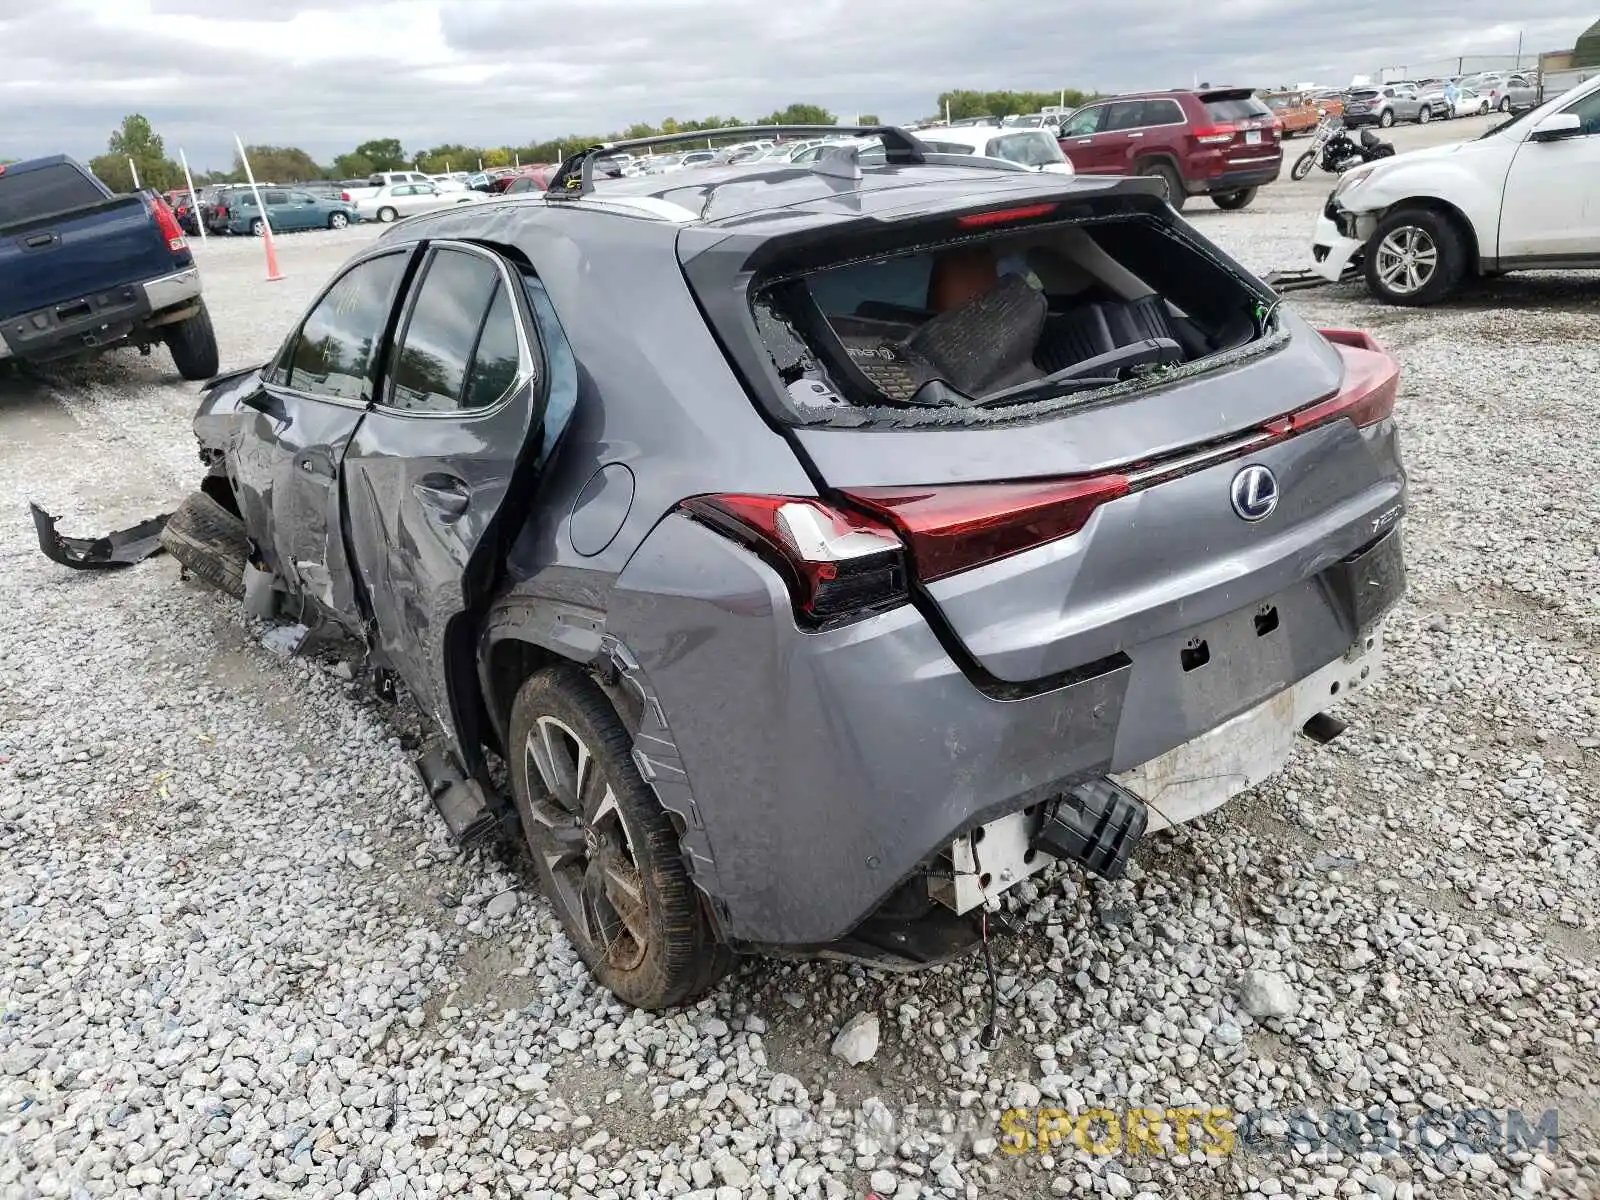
(857, 1042)
(1267, 994)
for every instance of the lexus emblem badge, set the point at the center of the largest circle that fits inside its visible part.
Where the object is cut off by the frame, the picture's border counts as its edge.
(1255, 493)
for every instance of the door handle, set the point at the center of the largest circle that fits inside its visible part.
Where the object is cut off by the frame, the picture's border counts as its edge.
(1083, 141)
(1134, 135)
(445, 494)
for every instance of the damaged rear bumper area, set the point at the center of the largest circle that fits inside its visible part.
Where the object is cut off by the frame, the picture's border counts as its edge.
(122, 548)
(100, 319)
(825, 771)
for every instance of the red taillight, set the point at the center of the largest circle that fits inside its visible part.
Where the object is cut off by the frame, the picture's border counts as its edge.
(1367, 395)
(167, 224)
(834, 562)
(1004, 216)
(962, 526)
(345, 196)
(1215, 135)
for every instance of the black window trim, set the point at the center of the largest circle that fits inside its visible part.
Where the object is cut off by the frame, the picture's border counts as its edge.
(286, 351)
(525, 350)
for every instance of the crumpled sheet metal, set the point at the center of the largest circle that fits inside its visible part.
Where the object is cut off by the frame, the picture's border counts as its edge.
(122, 548)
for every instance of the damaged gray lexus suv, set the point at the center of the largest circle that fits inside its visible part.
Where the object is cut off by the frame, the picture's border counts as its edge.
(822, 549)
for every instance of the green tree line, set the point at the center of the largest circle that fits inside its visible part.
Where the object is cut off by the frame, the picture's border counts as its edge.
(136, 141)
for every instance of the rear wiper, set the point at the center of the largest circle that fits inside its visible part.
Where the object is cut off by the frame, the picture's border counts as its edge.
(1102, 370)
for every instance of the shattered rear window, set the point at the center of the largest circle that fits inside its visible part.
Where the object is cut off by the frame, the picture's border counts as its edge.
(976, 325)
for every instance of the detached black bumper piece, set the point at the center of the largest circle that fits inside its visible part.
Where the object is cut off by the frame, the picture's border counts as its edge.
(1096, 824)
(120, 549)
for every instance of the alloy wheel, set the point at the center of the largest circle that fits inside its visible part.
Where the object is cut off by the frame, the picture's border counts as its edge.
(1407, 259)
(578, 830)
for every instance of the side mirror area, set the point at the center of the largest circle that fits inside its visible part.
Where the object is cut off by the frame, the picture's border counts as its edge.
(1556, 127)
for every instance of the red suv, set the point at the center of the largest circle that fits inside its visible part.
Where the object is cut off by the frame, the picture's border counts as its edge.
(1223, 143)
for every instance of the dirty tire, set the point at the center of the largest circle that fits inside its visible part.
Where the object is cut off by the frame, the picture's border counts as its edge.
(338, 221)
(1387, 119)
(1438, 246)
(1234, 201)
(1303, 164)
(258, 228)
(1505, 104)
(387, 215)
(1424, 115)
(680, 959)
(210, 543)
(1173, 181)
(193, 345)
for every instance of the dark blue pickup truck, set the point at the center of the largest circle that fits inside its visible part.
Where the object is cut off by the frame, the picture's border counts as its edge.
(83, 270)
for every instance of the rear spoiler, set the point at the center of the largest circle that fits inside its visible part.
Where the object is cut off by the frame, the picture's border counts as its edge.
(1239, 93)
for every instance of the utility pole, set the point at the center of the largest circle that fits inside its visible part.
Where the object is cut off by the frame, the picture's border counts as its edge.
(1519, 49)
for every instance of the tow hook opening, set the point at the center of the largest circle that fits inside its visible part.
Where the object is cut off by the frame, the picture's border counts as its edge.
(1323, 728)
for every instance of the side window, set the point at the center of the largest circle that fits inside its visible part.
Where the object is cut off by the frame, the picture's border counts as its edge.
(1084, 122)
(1161, 112)
(448, 312)
(498, 355)
(1588, 110)
(559, 363)
(1125, 114)
(271, 198)
(332, 354)
(300, 197)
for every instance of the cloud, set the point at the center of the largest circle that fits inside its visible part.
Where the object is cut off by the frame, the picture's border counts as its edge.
(327, 74)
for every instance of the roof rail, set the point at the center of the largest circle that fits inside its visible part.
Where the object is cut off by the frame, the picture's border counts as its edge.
(575, 178)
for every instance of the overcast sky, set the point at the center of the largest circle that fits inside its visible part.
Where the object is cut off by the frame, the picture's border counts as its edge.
(326, 74)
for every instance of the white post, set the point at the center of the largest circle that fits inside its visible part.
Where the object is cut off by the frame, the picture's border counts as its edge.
(480, 162)
(194, 196)
(136, 184)
(947, 112)
(517, 159)
(261, 207)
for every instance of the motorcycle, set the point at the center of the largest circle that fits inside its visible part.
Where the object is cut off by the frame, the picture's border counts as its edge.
(1335, 151)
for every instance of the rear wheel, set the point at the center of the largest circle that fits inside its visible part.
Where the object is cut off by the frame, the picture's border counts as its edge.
(606, 852)
(386, 215)
(1303, 164)
(338, 221)
(1387, 118)
(1233, 201)
(257, 227)
(1416, 256)
(1424, 115)
(1505, 104)
(1170, 179)
(193, 345)
(210, 542)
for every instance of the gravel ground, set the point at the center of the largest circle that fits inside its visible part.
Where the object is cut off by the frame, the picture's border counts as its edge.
(239, 959)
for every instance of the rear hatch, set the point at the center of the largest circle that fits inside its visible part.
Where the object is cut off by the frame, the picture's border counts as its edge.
(1361, 102)
(61, 239)
(1047, 399)
(1241, 128)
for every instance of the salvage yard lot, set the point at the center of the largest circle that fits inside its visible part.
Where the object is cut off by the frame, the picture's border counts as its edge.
(237, 955)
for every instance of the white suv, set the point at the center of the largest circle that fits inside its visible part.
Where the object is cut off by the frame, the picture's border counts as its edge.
(1519, 197)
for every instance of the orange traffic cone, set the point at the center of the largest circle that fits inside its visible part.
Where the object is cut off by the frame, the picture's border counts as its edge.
(273, 274)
